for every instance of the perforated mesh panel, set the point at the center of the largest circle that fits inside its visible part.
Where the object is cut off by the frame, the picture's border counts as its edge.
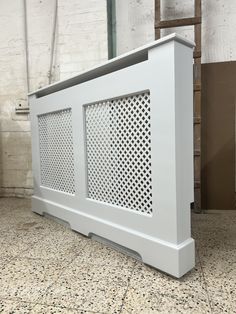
(56, 151)
(119, 152)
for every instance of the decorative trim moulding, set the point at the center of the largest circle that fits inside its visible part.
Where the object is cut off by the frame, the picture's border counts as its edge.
(113, 152)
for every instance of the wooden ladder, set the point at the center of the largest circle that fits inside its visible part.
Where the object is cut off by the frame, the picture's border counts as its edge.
(196, 21)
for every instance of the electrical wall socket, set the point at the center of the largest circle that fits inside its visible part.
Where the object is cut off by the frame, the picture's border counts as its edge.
(22, 106)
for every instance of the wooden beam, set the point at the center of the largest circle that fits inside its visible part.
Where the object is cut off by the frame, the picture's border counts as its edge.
(197, 27)
(157, 18)
(197, 54)
(178, 22)
(197, 103)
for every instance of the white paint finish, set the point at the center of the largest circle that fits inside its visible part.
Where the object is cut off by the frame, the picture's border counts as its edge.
(163, 239)
(184, 140)
(127, 59)
(15, 158)
(40, 27)
(81, 41)
(219, 36)
(135, 25)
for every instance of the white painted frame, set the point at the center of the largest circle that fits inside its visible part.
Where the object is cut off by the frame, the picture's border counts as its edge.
(164, 67)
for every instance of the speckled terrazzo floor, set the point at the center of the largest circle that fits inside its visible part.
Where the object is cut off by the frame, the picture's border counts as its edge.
(47, 268)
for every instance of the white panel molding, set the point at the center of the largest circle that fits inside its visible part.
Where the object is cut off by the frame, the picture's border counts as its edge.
(131, 177)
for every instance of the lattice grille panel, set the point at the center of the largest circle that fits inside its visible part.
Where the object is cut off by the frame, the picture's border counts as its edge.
(56, 151)
(119, 152)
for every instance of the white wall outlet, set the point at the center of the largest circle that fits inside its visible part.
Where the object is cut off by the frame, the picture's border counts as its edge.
(22, 106)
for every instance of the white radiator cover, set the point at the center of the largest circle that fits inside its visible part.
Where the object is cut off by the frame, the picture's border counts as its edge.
(113, 152)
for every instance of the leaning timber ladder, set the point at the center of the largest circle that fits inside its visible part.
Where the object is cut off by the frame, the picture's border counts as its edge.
(196, 21)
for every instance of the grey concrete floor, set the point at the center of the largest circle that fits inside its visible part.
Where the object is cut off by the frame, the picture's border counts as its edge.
(47, 268)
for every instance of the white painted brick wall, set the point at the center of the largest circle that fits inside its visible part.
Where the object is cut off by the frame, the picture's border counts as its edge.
(15, 159)
(135, 21)
(40, 26)
(81, 42)
(82, 37)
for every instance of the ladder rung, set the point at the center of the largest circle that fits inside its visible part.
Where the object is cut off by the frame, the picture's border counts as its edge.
(179, 22)
(197, 184)
(197, 153)
(197, 120)
(197, 54)
(197, 87)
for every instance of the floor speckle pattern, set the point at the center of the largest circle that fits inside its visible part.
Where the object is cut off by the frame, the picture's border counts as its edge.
(47, 268)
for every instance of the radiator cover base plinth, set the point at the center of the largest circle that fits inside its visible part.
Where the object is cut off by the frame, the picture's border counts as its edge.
(175, 260)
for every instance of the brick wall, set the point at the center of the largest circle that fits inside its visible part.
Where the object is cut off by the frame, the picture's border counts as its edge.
(81, 42)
